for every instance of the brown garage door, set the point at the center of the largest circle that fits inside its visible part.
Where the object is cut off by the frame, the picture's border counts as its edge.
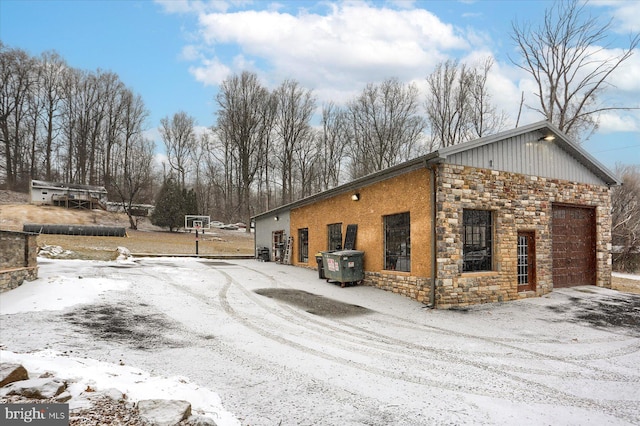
(574, 246)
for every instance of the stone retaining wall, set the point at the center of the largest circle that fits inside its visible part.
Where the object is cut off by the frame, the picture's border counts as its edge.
(18, 259)
(418, 288)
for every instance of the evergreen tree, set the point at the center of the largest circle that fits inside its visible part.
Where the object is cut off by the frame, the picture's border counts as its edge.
(170, 206)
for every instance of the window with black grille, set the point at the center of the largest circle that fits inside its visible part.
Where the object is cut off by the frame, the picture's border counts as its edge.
(477, 234)
(397, 242)
(303, 245)
(335, 236)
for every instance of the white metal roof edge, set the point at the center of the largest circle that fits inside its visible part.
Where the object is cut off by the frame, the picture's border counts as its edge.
(440, 155)
(562, 140)
(59, 185)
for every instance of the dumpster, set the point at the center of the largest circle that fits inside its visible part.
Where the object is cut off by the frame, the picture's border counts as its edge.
(320, 266)
(345, 266)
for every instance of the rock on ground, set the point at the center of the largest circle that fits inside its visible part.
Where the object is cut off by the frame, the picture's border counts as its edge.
(108, 407)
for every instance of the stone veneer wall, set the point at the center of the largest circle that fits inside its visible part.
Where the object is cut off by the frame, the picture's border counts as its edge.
(418, 288)
(18, 259)
(518, 202)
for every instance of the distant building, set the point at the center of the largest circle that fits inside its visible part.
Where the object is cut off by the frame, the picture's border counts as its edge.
(508, 216)
(68, 195)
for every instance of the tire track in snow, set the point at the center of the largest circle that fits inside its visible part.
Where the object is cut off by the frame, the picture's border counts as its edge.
(516, 352)
(531, 390)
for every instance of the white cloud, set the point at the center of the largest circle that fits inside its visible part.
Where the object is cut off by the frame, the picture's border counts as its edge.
(338, 51)
(190, 53)
(625, 14)
(195, 6)
(212, 72)
(625, 78)
(612, 122)
(353, 43)
(160, 161)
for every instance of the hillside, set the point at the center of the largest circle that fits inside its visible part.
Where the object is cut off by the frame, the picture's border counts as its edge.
(149, 239)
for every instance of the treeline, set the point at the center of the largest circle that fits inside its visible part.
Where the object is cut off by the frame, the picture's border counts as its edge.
(263, 150)
(58, 123)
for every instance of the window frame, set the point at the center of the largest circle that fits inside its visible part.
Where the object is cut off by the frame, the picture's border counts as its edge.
(397, 258)
(303, 245)
(481, 232)
(332, 236)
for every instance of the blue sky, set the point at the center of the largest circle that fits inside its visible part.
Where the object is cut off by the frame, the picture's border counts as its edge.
(174, 53)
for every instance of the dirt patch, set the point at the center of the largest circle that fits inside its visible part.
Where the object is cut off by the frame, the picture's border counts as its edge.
(312, 303)
(124, 324)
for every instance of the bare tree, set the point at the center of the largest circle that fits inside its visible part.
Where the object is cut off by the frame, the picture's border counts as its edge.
(242, 126)
(567, 56)
(485, 117)
(625, 218)
(179, 138)
(305, 158)
(53, 68)
(333, 145)
(385, 126)
(62, 123)
(294, 108)
(459, 105)
(135, 171)
(16, 74)
(448, 104)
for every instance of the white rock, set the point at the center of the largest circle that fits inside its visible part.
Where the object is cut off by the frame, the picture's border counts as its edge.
(164, 412)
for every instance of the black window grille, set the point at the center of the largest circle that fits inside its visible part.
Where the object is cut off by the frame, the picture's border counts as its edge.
(303, 245)
(477, 236)
(397, 241)
(335, 236)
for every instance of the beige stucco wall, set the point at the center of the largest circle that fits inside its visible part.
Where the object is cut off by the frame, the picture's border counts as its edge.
(519, 202)
(410, 192)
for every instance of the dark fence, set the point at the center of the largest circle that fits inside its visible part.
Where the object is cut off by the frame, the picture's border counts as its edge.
(86, 230)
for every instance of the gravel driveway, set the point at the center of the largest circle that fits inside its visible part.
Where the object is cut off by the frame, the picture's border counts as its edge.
(281, 346)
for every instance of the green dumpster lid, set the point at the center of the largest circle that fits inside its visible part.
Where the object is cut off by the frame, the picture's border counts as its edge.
(347, 252)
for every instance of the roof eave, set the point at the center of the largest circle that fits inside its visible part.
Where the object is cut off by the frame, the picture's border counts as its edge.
(408, 166)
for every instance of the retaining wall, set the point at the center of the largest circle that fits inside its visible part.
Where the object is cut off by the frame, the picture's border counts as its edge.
(18, 259)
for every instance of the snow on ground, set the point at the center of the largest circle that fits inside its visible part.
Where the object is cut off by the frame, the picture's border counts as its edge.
(260, 343)
(136, 384)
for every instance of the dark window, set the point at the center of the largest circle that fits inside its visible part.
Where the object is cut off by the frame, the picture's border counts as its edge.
(335, 236)
(303, 245)
(397, 242)
(477, 240)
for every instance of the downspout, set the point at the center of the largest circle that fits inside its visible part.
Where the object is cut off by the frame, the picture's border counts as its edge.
(434, 255)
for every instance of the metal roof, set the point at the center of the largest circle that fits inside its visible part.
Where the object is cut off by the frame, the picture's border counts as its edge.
(60, 185)
(441, 155)
(561, 140)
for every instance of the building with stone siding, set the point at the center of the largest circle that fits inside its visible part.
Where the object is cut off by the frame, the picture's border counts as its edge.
(500, 218)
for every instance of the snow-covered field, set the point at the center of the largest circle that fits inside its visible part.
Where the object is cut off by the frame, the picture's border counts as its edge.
(240, 341)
